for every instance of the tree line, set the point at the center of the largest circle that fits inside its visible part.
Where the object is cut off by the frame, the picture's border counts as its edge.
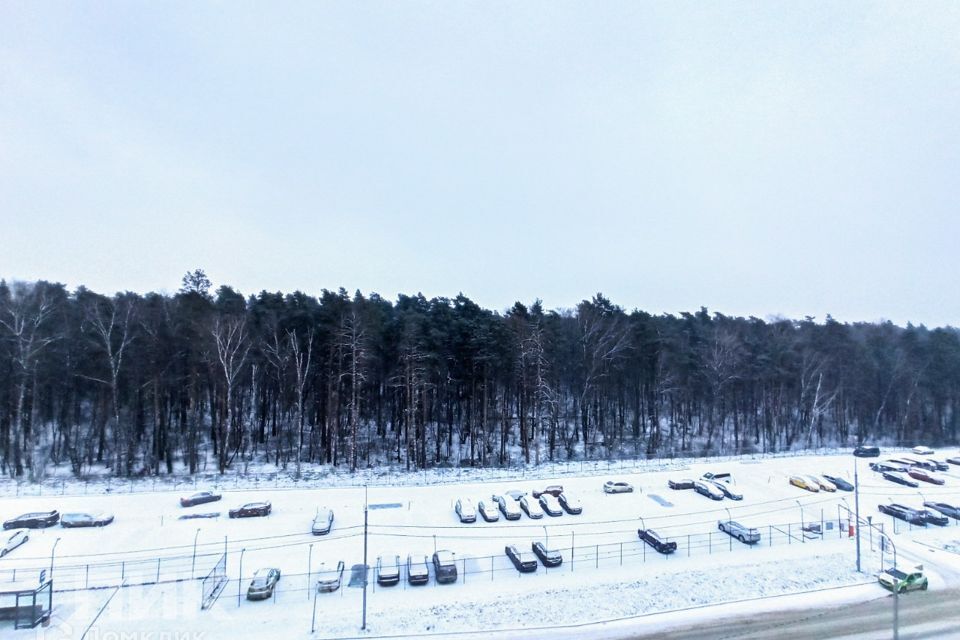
(156, 383)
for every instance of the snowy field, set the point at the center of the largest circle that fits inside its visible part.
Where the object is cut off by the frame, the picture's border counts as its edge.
(606, 574)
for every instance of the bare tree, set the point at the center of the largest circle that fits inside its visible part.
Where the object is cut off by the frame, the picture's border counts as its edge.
(354, 340)
(231, 344)
(301, 367)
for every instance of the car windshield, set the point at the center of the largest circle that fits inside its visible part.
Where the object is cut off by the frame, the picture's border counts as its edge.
(444, 557)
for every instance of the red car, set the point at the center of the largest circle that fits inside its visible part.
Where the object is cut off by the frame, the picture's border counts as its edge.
(922, 474)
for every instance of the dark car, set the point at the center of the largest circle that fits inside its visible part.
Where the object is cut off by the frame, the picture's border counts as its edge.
(554, 489)
(322, 522)
(550, 505)
(418, 571)
(888, 466)
(444, 567)
(944, 508)
(839, 483)
(940, 464)
(864, 451)
(708, 489)
(925, 475)
(388, 570)
(685, 483)
(200, 498)
(251, 510)
(725, 489)
(954, 460)
(39, 520)
(653, 539)
(899, 478)
(524, 561)
(70, 520)
(931, 517)
(570, 504)
(916, 463)
(263, 583)
(549, 557)
(903, 513)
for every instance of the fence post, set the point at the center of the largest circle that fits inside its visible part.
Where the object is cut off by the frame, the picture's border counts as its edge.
(491, 568)
(789, 533)
(621, 554)
(158, 569)
(86, 581)
(710, 543)
(688, 545)
(596, 552)
(769, 536)
(123, 571)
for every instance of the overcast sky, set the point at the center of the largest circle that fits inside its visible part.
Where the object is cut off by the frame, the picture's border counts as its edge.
(754, 158)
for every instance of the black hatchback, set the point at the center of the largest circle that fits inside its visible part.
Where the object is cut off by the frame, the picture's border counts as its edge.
(40, 520)
(864, 451)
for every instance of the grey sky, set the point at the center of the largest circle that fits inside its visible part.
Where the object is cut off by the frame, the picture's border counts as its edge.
(755, 158)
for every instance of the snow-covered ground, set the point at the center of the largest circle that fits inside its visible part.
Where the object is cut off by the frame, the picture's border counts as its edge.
(607, 573)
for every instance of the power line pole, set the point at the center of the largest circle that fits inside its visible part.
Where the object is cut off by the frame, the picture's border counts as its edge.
(856, 498)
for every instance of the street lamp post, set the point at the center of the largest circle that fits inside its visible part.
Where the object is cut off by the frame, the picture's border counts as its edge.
(363, 625)
(53, 551)
(193, 564)
(546, 535)
(803, 538)
(240, 576)
(309, 568)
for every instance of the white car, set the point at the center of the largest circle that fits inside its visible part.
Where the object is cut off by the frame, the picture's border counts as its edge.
(550, 505)
(823, 483)
(616, 486)
(14, 541)
(531, 507)
(921, 450)
(465, 510)
(489, 510)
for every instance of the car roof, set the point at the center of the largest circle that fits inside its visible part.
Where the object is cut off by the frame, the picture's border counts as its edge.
(444, 556)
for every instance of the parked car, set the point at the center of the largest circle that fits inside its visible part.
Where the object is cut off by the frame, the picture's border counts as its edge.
(899, 581)
(330, 578)
(531, 507)
(865, 451)
(550, 505)
(388, 570)
(654, 539)
(888, 466)
(418, 570)
(489, 510)
(200, 498)
(921, 450)
(678, 485)
(14, 541)
(945, 509)
(549, 557)
(903, 513)
(707, 489)
(940, 464)
(322, 522)
(811, 530)
(899, 478)
(746, 535)
(570, 503)
(554, 490)
(823, 483)
(465, 510)
(617, 486)
(926, 476)
(38, 520)
(929, 465)
(721, 476)
(726, 490)
(516, 494)
(932, 517)
(251, 510)
(69, 520)
(444, 567)
(508, 507)
(804, 483)
(954, 460)
(263, 583)
(839, 482)
(523, 561)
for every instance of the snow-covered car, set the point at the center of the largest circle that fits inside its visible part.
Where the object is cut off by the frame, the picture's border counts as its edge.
(932, 517)
(37, 520)
(866, 451)
(263, 583)
(944, 508)
(549, 557)
(388, 570)
(903, 513)
(550, 505)
(418, 570)
(899, 478)
(516, 494)
(839, 482)
(14, 541)
(444, 567)
(677, 485)
(251, 510)
(708, 490)
(554, 490)
(722, 476)
(508, 507)
(888, 466)
(322, 522)
(918, 463)
(726, 490)
(900, 581)
(655, 540)
(489, 510)
(734, 529)
(70, 520)
(523, 561)
(330, 577)
(617, 486)
(465, 510)
(570, 503)
(921, 450)
(941, 465)
(926, 476)
(201, 497)
(954, 460)
(531, 507)
(822, 483)
(804, 483)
